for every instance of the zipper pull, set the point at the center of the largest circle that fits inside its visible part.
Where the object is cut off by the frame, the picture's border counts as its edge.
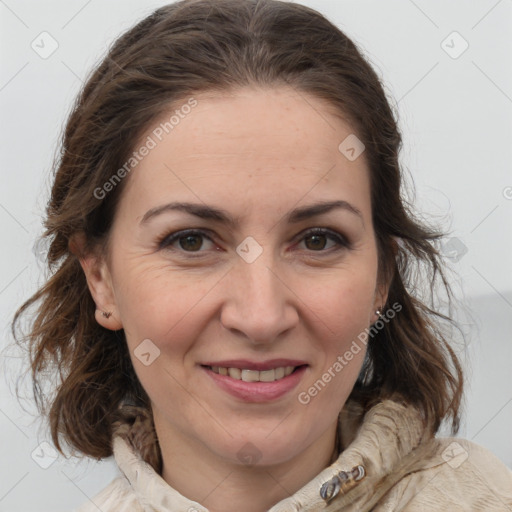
(343, 482)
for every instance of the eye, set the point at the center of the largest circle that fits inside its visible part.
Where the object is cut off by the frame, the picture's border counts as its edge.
(317, 240)
(188, 240)
(192, 240)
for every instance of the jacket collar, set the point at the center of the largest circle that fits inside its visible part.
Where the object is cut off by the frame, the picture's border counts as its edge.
(372, 447)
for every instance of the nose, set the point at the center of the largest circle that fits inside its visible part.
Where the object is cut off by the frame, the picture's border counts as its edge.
(259, 304)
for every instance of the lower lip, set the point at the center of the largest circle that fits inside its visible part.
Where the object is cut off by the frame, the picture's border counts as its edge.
(257, 391)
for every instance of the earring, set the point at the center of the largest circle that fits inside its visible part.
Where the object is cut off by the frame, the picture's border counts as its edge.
(106, 314)
(378, 312)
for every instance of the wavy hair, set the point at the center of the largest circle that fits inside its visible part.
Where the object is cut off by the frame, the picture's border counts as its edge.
(184, 48)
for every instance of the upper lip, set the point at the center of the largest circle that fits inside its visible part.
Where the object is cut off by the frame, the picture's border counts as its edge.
(255, 365)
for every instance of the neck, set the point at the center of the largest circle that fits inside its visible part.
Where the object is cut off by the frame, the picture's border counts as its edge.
(223, 485)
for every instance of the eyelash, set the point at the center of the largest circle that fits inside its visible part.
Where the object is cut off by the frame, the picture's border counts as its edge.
(165, 241)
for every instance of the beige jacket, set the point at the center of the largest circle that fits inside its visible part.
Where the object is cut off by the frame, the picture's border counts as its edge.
(387, 464)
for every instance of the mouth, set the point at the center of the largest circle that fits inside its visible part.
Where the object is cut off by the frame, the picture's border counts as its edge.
(256, 385)
(248, 375)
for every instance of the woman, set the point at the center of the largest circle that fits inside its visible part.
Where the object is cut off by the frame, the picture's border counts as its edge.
(232, 308)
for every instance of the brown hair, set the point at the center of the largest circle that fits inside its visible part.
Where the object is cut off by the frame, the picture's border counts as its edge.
(189, 47)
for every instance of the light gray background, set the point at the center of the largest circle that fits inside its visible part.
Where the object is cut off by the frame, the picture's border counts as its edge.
(455, 114)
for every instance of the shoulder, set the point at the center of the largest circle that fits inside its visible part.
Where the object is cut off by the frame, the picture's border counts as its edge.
(456, 475)
(118, 496)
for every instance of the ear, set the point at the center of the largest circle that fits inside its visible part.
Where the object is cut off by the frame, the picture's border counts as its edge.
(382, 291)
(99, 281)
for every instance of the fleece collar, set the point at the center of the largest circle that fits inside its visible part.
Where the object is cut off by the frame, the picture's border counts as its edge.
(373, 447)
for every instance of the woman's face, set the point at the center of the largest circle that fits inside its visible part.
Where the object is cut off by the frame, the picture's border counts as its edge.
(253, 287)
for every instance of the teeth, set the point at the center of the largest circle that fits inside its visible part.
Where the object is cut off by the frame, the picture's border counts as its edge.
(267, 375)
(279, 372)
(254, 375)
(235, 373)
(250, 376)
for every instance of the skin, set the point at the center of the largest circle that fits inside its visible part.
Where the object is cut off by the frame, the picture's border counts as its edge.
(257, 153)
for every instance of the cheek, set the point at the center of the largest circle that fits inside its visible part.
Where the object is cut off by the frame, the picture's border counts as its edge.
(343, 301)
(153, 297)
(343, 304)
(350, 311)
(344, 311)
(162, 314)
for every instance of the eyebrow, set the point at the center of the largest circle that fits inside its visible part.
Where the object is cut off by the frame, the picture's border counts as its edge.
(216, 214)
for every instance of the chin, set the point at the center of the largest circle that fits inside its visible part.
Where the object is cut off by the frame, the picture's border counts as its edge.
(261, 449)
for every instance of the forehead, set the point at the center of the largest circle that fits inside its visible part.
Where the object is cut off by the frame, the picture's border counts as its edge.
(261, 147)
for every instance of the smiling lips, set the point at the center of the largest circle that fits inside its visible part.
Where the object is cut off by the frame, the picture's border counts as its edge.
(254, 375)
(256, 381)
(253, 371)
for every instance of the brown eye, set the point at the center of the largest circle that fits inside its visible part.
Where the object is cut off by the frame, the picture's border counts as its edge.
(191, 242)
(185, 241)
(316, 240)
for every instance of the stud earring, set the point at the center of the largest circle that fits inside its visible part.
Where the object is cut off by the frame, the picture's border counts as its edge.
(106, 314)
(378, 312)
